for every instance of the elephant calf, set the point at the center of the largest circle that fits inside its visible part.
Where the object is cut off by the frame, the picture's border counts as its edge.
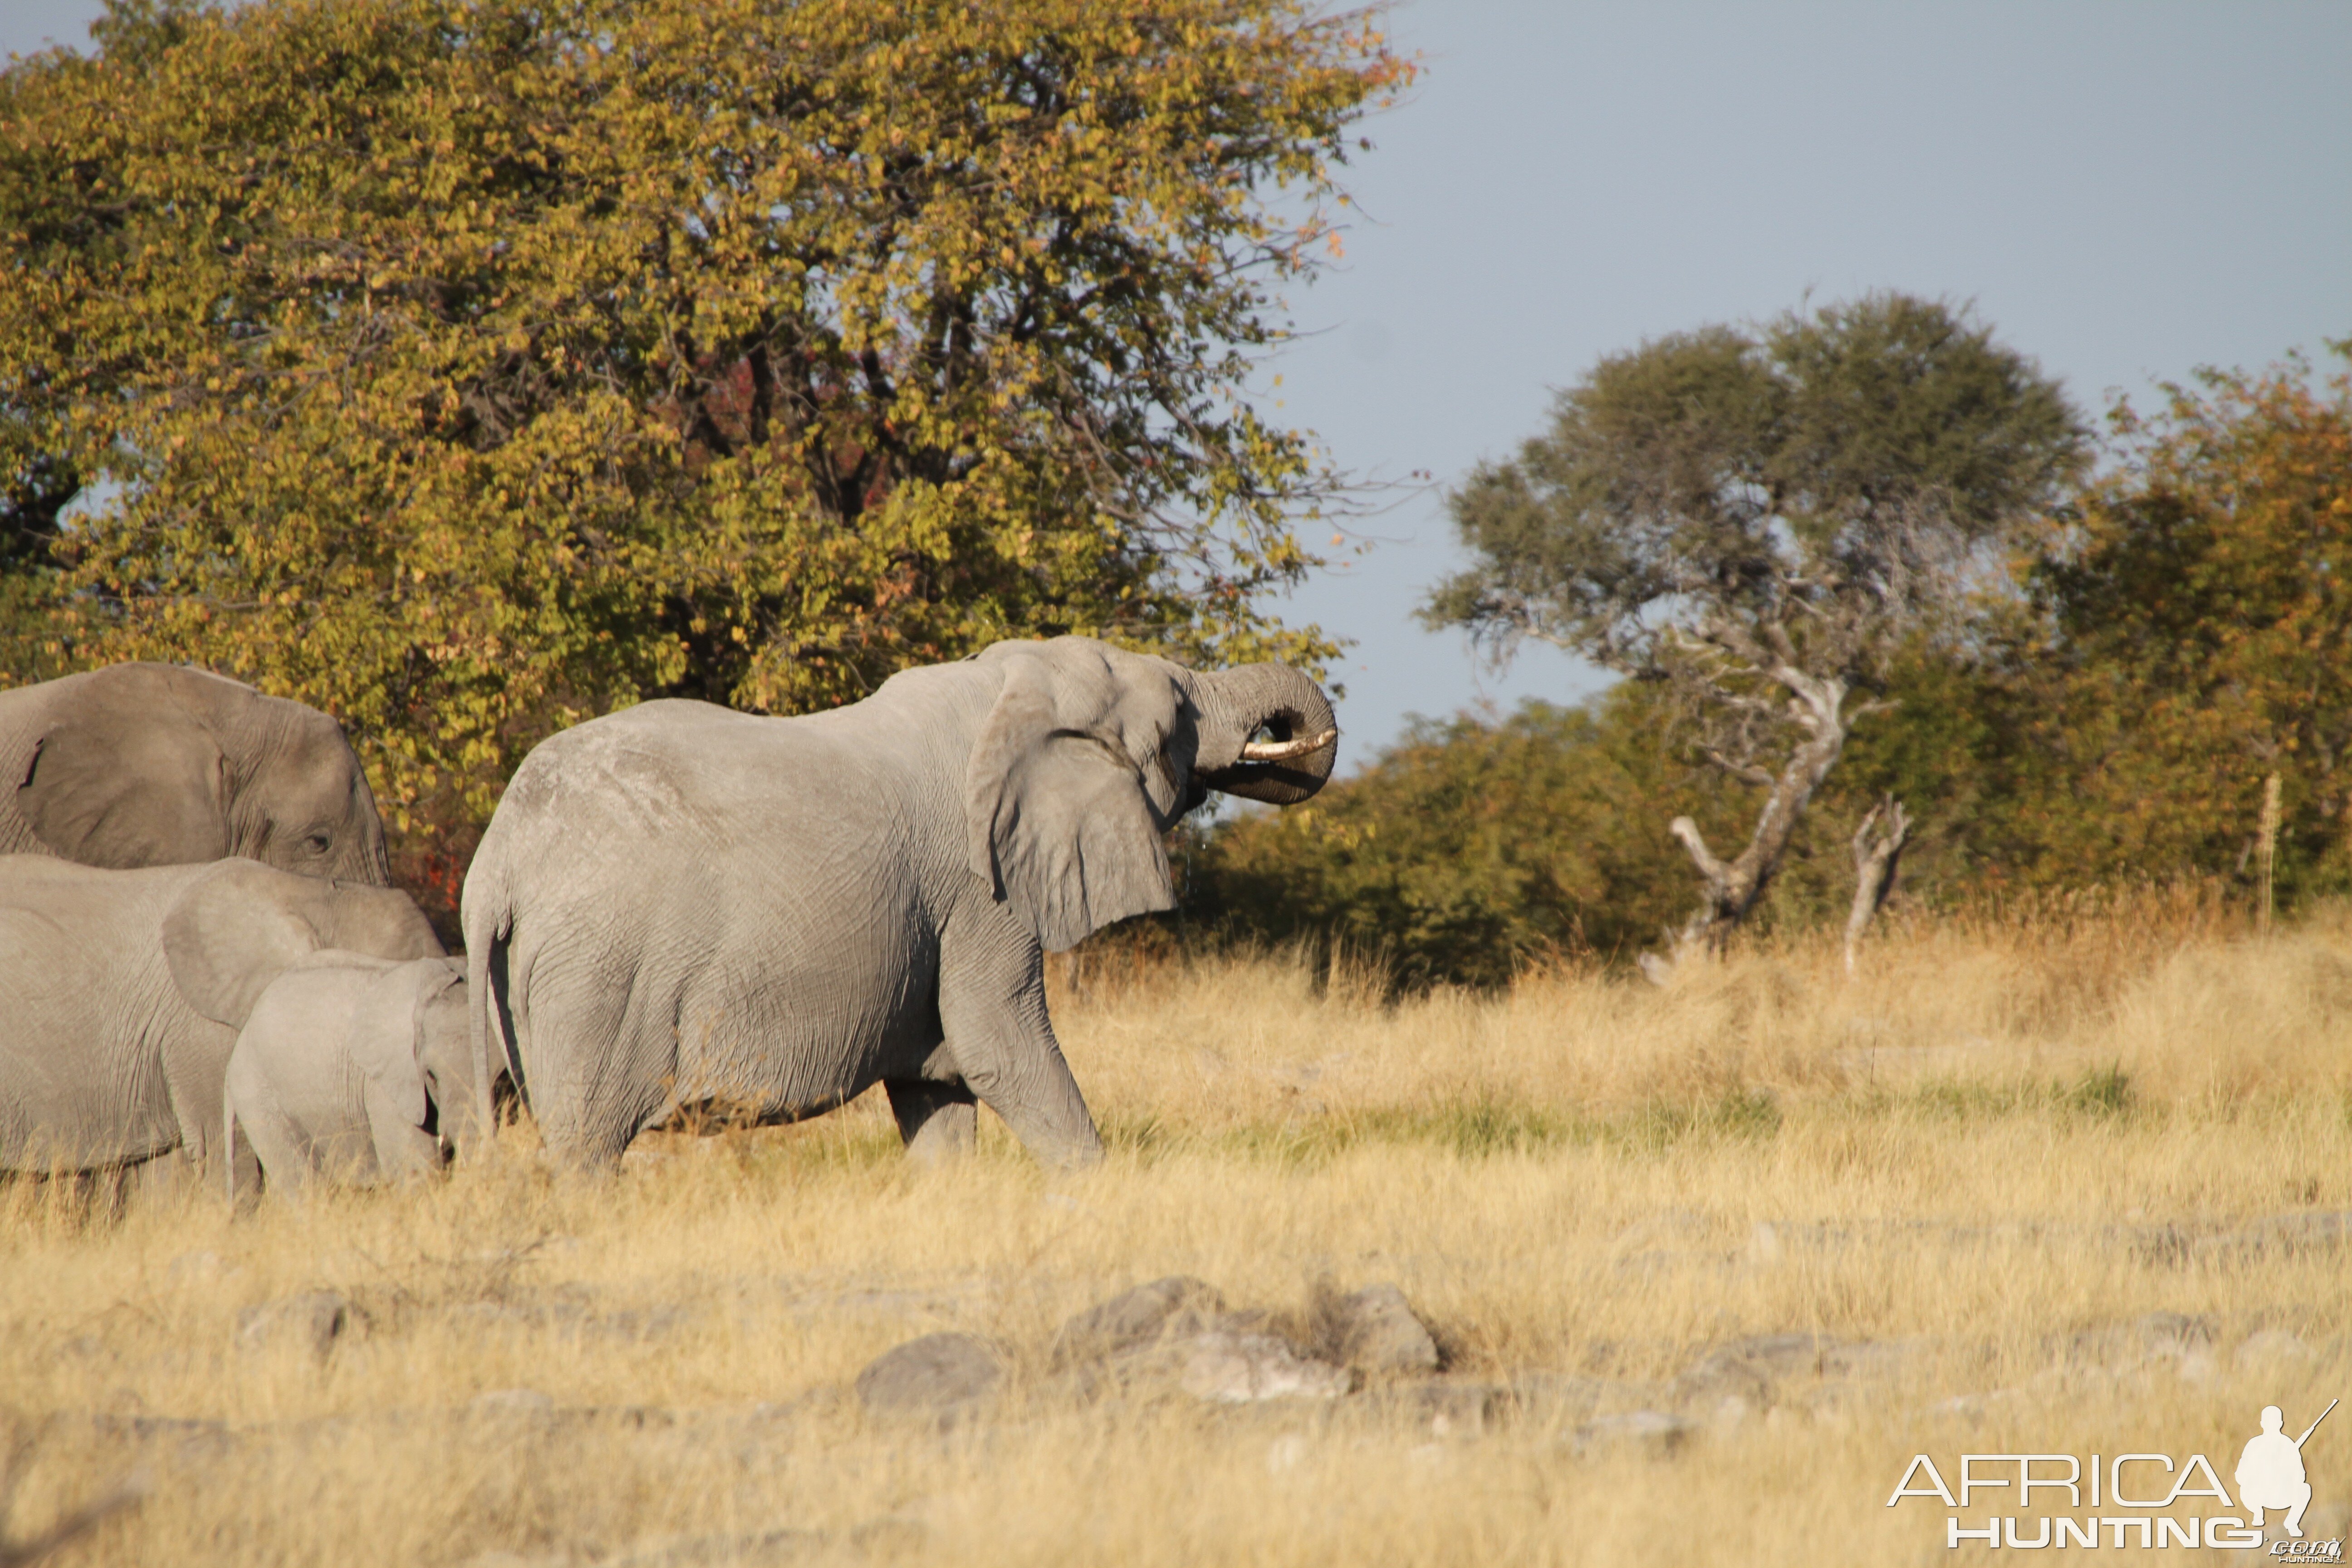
(352, 1068)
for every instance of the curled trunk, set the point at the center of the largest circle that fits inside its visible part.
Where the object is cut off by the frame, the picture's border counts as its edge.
(1267, 733)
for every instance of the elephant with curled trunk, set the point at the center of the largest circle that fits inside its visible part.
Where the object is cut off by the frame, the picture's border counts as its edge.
(157, 765)
(678, 905)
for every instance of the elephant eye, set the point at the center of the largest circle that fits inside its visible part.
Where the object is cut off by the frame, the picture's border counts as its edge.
(316, 844)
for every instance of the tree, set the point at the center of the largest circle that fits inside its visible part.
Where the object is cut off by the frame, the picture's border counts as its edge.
(2200, 636)
(1469, 849)
(467, 367)
(1762, 520)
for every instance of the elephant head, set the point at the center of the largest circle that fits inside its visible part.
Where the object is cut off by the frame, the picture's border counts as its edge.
(149, 764)
(412, 1042)
(1090, 754)
(238, 928)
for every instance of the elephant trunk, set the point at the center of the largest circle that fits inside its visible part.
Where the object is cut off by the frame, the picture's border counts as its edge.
(1301, 739)
(365, 856)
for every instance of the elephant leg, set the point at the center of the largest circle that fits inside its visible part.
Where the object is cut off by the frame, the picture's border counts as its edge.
(993, 1012)
(271, 1140)
(936, 1120)
(596, 1041)
(243, 1167)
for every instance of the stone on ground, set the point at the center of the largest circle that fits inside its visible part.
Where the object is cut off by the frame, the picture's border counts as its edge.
(1377, 1333)
(1135, 1317)
(938, 1373)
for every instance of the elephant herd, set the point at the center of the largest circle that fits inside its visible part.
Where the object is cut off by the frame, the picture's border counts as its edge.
(676, 909)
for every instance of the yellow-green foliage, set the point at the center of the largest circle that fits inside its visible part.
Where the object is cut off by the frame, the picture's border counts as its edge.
(466, 367)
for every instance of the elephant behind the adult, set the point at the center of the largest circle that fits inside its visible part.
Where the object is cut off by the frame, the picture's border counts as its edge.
(120, 991)
(352, 1068)
(156, 764)
(679, 905)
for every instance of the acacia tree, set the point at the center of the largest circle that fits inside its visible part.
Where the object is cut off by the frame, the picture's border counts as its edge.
(1759, 520)
(467, 367)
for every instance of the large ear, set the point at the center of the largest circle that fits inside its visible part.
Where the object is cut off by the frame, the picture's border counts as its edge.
(128, 775)
(387, 1037)
(387, 1042)
(233, 931)
(1071, 783)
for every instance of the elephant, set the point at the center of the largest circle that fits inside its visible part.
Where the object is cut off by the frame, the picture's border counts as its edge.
(157, 765)
(351, 1066)
(678, 907)
(120, 991)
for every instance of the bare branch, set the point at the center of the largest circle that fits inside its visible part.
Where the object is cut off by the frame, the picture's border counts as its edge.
(1746, 772)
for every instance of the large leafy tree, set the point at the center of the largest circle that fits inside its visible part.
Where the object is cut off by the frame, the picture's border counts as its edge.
(468, 366)
(1762, 520)
(2201, 633)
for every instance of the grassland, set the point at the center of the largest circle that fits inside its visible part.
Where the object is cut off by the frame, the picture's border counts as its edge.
(2059, 1180)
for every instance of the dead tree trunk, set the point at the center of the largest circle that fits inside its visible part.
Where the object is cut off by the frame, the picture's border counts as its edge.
(1729, 888)
(1875, 856)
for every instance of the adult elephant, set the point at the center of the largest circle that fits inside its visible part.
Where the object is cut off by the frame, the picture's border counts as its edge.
(157, 765)
(681, 906)
(121, 993)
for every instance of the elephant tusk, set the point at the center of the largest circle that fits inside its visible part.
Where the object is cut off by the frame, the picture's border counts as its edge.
(1286, 751)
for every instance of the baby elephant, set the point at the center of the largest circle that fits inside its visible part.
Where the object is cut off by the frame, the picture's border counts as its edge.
(352, 1067)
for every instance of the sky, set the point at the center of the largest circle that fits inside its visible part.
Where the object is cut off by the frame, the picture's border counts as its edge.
(2126, 190)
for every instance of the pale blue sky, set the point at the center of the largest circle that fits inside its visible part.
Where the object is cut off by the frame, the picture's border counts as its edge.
(2126, 190)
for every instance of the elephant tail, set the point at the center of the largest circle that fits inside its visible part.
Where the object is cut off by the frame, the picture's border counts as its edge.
(488, 919)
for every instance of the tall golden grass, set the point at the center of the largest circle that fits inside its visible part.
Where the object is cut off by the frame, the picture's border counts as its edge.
(1988, 1158)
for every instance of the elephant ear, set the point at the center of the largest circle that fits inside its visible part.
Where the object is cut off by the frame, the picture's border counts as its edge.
(387, 1040)
(1069, 787)
(233, 933)
(129, 776)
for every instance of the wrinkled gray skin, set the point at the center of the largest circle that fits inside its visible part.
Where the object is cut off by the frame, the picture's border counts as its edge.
(156, 764)
(344, 1067)
(119, 993)
(679, 906)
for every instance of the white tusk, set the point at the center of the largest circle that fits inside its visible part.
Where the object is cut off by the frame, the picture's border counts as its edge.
(1285, 751)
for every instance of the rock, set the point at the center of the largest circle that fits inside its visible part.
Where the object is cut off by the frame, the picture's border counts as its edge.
(937, 1374)
(1375, 1332)
(1134, 1318)
(1651, 1433)
(1222, 1368)
(313, 1322)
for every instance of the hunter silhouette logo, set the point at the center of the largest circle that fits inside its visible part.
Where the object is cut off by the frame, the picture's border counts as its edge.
(2270, 1472)
(2134, 1498)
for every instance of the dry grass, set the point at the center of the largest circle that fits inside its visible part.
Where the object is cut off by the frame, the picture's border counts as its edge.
(2009, 1140)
